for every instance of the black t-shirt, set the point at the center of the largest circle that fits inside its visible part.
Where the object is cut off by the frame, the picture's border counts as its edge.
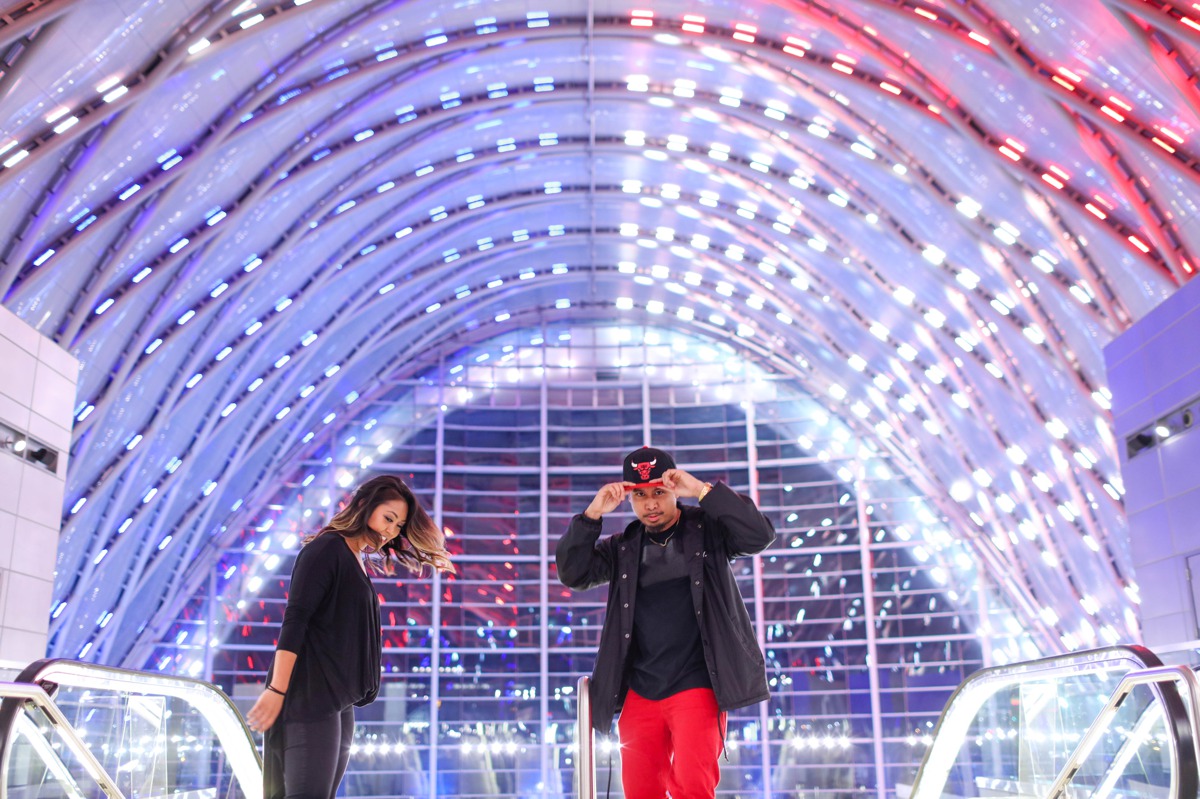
(332, 624)
(667, 656)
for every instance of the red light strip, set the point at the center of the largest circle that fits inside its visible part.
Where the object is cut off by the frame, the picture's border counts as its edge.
(1010, 149)
(797, 46)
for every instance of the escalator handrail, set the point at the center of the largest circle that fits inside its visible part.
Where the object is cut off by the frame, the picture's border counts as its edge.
(966, 700)
(585, 742)
(214, 706)
(14, 696)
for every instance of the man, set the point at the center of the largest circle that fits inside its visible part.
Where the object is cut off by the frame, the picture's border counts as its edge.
(677, 650)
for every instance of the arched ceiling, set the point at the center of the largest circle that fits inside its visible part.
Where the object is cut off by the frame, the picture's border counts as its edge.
(930, 216)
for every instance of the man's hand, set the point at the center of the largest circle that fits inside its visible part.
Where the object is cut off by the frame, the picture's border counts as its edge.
(606, 500)
(682, 483)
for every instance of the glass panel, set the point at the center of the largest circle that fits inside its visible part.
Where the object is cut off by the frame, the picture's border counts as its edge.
(151, 745)
(389, 760)
(40, 766)
(493, 759)
(1025, 722)
(1025, 734)
(1133, 756)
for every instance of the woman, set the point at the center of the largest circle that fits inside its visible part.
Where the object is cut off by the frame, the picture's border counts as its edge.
(328, 656)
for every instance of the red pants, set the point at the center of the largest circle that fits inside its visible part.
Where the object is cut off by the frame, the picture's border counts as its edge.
(670, 747)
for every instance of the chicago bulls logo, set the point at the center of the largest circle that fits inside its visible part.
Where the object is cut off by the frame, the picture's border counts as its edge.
(643, 468)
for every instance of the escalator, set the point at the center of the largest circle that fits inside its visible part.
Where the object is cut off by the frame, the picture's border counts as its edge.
(71, 730)
(1111, 723)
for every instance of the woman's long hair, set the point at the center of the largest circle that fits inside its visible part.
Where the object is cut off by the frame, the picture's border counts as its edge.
(420, 542)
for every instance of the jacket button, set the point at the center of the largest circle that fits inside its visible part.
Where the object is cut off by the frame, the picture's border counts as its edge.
(625, 605)
(626, 635)
(697, 582)
(624, 576)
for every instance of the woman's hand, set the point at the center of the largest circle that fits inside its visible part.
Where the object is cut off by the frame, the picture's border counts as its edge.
(265, 711)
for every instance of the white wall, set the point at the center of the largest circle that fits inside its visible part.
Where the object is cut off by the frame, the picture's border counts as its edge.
(37, 399)
(1154, 373)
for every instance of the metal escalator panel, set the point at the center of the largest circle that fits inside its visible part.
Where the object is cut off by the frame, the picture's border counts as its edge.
(585, 743)
(1075, 726)
(157, 736)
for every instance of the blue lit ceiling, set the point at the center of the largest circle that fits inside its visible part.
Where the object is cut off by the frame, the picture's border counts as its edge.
(930, 216)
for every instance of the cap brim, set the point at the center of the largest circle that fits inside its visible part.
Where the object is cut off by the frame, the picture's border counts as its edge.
(644, 485)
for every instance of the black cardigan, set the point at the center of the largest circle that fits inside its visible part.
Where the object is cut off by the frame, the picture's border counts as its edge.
(726, 525)
(332, 625)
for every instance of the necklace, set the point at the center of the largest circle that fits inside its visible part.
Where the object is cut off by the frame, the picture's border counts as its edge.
(662, 543)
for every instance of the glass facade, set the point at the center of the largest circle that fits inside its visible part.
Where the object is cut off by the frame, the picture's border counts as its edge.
(867, 612)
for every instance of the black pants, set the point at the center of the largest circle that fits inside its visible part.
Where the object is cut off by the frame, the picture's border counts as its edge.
(307, 759)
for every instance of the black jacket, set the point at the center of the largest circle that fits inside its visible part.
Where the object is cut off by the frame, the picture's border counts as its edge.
(332, 624)
(726, 525)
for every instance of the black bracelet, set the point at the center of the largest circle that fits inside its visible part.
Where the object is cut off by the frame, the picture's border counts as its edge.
(275, 690)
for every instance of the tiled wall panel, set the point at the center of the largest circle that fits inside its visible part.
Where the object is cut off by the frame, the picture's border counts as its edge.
(37, 398)
(1154, 372)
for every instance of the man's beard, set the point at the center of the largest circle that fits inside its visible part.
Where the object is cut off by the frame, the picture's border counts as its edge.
(661, 527)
